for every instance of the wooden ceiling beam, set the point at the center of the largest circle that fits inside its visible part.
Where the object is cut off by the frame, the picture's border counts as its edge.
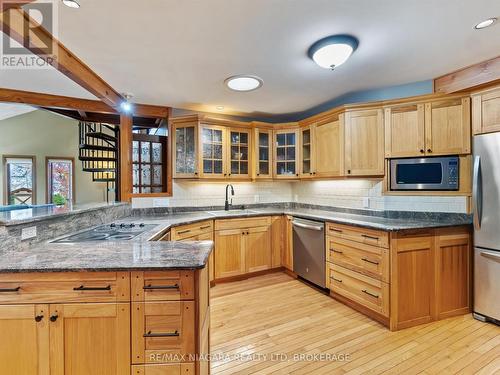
(474, 76)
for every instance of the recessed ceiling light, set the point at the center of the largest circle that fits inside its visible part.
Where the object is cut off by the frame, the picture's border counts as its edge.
(244, 83)
(71, 3)
(333, 51)
(219, 108)
(485, 23)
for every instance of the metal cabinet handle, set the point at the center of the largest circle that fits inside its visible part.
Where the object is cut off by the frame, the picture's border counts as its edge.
(164, 334)
(477, 188)
(38, 318)
(370, 237)
(205, 227)
(336, 230)
(53, 318)
(82, 287)
(369, 261)
(370, 294)
(337, 251)
(10, 290)
(151, 287)
(184, 231)
(337, 280)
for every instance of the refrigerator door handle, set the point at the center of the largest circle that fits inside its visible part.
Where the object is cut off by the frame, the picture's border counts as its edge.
(491, 256)
(477, 191)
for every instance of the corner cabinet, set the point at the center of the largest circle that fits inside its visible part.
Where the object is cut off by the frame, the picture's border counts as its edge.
(307, 156)
(185, 155)
(364, 143)
(263, 140)
(439, 127)
(286, 158)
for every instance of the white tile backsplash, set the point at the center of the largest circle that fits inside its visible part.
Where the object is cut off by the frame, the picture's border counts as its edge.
(350, 193)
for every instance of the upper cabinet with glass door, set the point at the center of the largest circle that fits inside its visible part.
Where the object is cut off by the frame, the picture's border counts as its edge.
(286, 158)
(185, 153)
(263, 154)
(307, 156)
(239, 153)
(212, 155)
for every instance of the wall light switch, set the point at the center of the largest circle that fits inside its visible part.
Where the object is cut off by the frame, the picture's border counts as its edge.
(366, 202)
(27, 233)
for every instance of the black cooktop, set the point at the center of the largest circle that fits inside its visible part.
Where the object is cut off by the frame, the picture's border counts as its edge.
(109, 232)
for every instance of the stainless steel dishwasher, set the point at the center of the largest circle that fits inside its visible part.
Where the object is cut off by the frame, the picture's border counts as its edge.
(309, 250)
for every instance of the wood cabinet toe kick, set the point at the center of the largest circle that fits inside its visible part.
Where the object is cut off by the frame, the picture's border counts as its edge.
(79, 323)
(401, 279)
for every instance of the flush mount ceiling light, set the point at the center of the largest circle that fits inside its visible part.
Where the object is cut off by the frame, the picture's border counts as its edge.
(333, 51)
(244, 83)
(71, 3)
(219, 108)
(484, 24)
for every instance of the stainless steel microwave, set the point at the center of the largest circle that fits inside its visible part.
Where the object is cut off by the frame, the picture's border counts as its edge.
(432, 173)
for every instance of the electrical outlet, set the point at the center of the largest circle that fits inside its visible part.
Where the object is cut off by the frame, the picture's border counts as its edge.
(366, 202)
(27, 233)
(160, 202)
(256, 198)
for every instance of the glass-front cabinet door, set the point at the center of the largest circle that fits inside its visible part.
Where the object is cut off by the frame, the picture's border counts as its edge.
(212, 155)
(263, 153)
(285, 154)
(306, 153)
(239, 153)
(185, 150)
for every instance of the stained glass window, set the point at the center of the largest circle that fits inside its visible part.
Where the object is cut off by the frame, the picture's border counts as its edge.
(148, 158)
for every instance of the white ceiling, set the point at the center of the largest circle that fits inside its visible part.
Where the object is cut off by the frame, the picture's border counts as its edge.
(8, 110)
(178, 52)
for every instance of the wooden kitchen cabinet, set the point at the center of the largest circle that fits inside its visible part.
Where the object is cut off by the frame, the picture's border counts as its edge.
(212, 155)
(238, 153)
(405, 131)
(287, 254)
(24, 343)
(103, 349)
(263, 154)
(364, 143)
(486, 111)
(258, 249)
(186, 150)
(329, 148)
(307, 154)
(277, 240)
(438, 127)
(447, 127)
(229, 253)
(286, 154)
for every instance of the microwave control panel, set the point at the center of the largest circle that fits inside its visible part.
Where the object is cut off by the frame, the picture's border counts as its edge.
(453, 173)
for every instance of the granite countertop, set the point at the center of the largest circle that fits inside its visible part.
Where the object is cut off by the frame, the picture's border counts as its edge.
(108, 256)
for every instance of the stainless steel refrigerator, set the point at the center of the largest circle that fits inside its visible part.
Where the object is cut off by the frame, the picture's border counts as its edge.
(486, 210)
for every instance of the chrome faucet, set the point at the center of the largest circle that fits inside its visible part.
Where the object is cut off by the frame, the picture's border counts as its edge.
(226, 203)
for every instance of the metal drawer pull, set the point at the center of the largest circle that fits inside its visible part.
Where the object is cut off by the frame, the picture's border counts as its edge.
(370, 237)
(336, 230)
(184, 231)
(7, 290)
(370, 294)
(205, 227)
(151, 287)
(333, 278)
(82, 287)
(370, 261)
(337, 251)
(166, 334)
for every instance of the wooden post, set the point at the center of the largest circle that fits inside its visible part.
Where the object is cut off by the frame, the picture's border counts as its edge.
(125, 158)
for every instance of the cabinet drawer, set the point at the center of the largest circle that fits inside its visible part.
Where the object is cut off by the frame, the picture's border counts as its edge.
(369, 260)
(165, 369)
(363, 235)
(162, 285)
(242, 223)
(163, 332)
(359, 288)
(185, 231)
(64, 287)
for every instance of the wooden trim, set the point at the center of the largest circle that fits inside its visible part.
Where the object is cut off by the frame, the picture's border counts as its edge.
(4, 166)
(247, 275)
(73, 186)
(125, 172)
(66, 102)
(473, 76)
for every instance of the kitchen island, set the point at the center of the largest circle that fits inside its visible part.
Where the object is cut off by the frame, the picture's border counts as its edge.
(106, 308)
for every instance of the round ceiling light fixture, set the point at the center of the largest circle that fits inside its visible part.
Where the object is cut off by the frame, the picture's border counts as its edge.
(486, 23)
(244, 82)
(219, 107)
(333, 51)
(71, 3)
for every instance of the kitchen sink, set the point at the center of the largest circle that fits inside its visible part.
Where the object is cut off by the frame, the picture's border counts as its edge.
(232, 212)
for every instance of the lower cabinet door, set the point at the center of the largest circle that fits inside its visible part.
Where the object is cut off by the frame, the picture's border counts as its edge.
(165, 369)
(229, 253)
(163, 332)
(90, 338)
(257, 249)
(24, 339)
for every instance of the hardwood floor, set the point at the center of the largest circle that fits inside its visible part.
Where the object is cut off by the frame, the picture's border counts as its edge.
(254, 319)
